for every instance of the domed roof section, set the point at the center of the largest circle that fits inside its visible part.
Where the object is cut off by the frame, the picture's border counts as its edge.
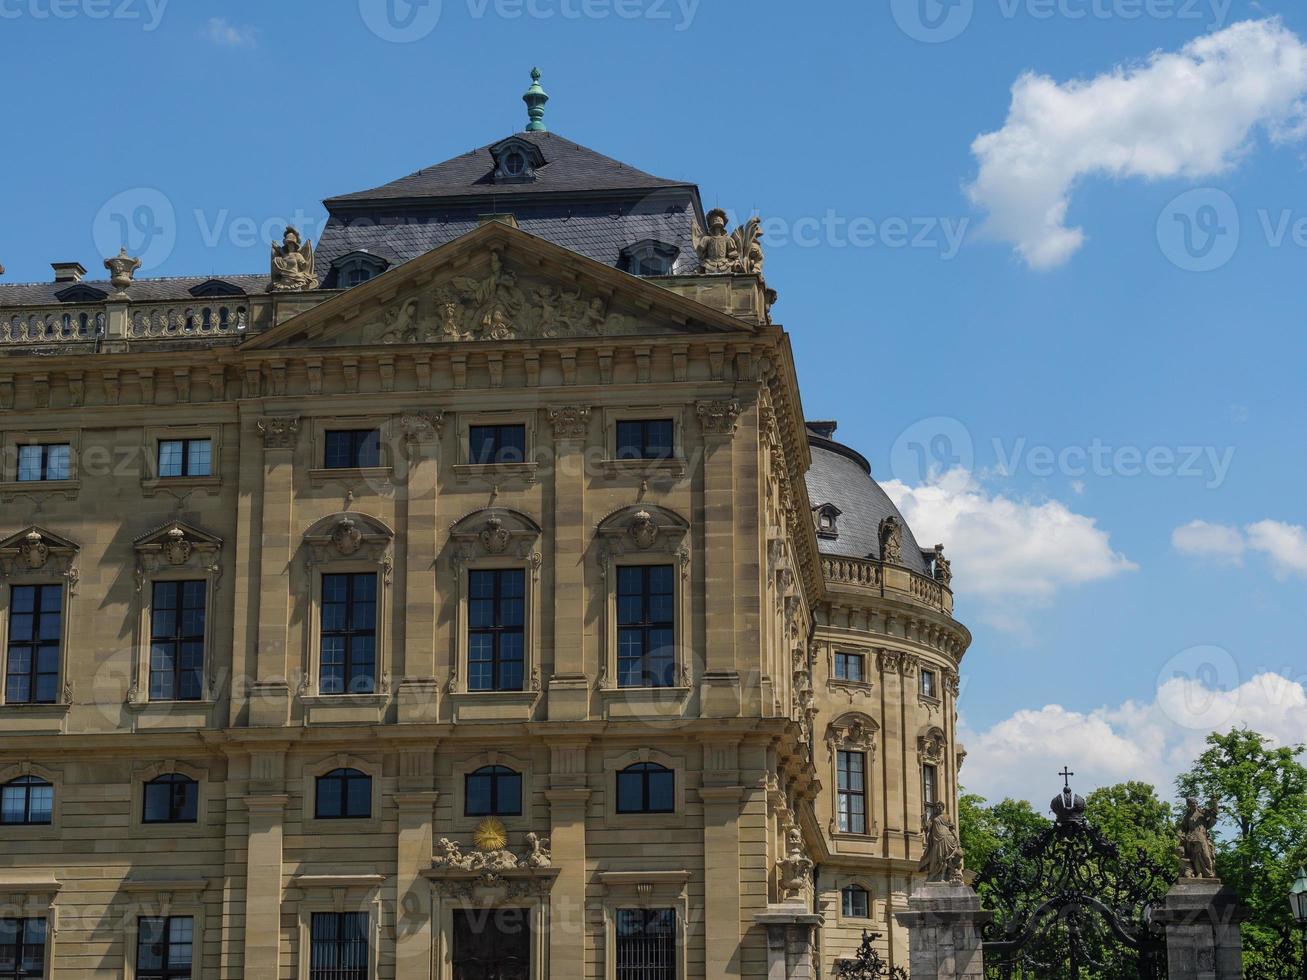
(841, 478)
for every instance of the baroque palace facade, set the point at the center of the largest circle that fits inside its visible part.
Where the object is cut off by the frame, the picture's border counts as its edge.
(467, 597)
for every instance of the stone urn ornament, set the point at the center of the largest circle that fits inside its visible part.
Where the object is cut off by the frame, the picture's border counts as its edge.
(122, 269)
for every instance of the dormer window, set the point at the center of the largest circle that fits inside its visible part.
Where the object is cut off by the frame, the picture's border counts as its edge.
(356, 268)
(827, 517)
(650, 258)
(516, 160)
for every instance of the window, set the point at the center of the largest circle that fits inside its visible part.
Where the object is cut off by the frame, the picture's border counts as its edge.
(645, 439)
(38, 463)
(349, 634)
(928, 684)
(343, 794)
(828, 516)
(856, 902)
(496, 609)
(929, 784)
(492, 791)
(177, 641)
(852, 779)
(850, 667)
(35, 632)
(646, 788)
(185, 457)
(496, 444)
(352, 449)
(646, 944)
(650, 258)
(164, 948)
(173, 798)
(356, 276)
(515, 164)
(27, 801)
(339, 942)
(646, 624)
(22, 948)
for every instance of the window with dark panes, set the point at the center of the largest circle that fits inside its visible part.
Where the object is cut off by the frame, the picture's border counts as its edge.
(349, 634)
(492, 791)
(165, 948)
(852, 787)
(41, 463)
(27, 801)
(645, 439)
(185, 457)
(646, 626)
(857, 902)
(22, 948)
(343, 794)
(849, 667)
(177, 641)
(496, 444)
(929, 784)
(172, 798)
(646, 944)
(338, 946)
(496, 640)
(352, 449)
(928, 688)
(35, 636)
(646, 788)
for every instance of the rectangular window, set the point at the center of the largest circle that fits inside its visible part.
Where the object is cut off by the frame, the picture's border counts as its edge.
(929, 784)
(496, 444)
(339, 942)
(496, 639)
(645, 439)
(165, 948)
(646, 626)
(849, 667)
(35, 634)
(185, 457)
(928, 687)
(646, 944)
(177, 641)
(352, 449)
(857, 904)
(22, 948)
(852, 778)
(41, 463)
(349, 634)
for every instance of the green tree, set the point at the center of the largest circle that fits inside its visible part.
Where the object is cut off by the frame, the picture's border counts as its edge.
(1134, 818)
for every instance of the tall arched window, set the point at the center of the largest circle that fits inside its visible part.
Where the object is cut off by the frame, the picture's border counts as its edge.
(27, 801)
(646, 787)
(343, 794)
(493, 791)
(171, 798)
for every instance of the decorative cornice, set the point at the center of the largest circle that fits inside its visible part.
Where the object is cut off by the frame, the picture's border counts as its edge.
(278, 431)
(719, 417)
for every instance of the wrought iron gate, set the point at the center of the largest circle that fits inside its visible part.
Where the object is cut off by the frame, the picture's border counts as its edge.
(1069, 906)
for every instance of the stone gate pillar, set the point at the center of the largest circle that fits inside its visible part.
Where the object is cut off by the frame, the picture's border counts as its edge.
(1203, 941)
(943, 922)
(791, 942)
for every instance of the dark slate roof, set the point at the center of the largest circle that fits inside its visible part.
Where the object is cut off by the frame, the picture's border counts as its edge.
(142, 290)
(569, 168)
(842, 476)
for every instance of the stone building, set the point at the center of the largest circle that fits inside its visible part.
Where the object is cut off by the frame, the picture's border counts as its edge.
(465, 596)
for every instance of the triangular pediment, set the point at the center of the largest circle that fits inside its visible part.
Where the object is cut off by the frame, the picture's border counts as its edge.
(165, 533)
(497, 284)
(33, 533)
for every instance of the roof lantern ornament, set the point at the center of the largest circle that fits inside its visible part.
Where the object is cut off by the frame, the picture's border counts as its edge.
(535, 100)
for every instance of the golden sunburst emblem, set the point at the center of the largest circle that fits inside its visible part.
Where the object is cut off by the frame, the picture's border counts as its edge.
(490, 835)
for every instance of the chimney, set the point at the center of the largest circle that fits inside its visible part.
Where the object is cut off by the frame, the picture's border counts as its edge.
(68, 271)
(825, 429)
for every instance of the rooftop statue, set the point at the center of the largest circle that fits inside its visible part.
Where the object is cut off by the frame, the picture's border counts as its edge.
(722, 254)
(1197, 855)
(292, 264)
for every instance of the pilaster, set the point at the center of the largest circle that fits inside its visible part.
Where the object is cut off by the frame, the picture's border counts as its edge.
(263, 891)
(569, 687)
(416, 621)
(567, 808)
(413, 906)
(720, 689)
(722, 867)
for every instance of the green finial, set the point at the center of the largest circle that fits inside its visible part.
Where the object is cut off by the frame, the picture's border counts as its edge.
(535, 100)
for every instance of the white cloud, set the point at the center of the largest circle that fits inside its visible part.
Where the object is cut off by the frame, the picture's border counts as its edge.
(1217, 542)
(1150, 741)
(1286, 544)
(1187, 114)
(219, 31)
(1006, 549)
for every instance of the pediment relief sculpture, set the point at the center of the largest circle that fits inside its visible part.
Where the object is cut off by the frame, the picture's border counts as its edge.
(36, 551)
(176, 545)
(932, 746)
(852, 731)
(644, 529)
(495, 533)
(349, 536)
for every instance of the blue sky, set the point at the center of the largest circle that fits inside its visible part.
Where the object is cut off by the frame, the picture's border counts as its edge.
(829, 119)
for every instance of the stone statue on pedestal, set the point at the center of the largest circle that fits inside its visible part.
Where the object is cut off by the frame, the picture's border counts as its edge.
(293, 264)
(1197, 854)
(943, 858)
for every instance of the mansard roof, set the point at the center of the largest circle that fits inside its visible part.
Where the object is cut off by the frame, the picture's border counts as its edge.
(568, 168)
(141, 290)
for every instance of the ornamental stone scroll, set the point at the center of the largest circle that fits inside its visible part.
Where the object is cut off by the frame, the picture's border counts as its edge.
(278, 431)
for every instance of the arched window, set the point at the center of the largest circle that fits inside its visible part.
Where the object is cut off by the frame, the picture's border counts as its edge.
(343, 794)
(646, 788)
(493, 791)
(27, 801)
(172, 798)
(856, 902)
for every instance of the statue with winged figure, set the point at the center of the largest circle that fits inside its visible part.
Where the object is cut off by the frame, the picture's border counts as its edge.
(293, 264)
(721, 253)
